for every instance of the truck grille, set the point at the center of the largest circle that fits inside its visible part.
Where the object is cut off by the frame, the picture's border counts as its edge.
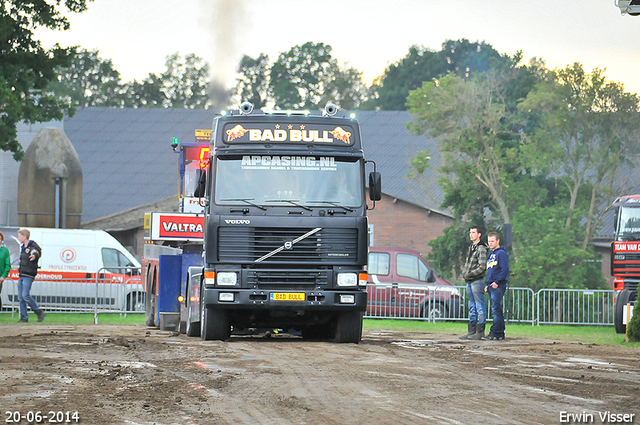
(248, 244)
(629, 267)
(287, 280)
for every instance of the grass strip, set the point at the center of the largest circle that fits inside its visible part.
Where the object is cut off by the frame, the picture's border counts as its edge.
(604, 335)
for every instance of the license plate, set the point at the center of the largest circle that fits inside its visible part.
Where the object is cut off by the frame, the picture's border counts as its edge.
(287, 296)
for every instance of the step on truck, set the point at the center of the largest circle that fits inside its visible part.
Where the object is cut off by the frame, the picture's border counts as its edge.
(286, 232)
(625, 258)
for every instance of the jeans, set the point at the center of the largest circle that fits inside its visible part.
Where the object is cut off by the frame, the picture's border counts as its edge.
(477, 306)
(24, 287)
(496, 295)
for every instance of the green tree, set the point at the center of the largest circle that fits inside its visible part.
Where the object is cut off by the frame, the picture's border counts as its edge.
(515, 141)
(460, 57)
(146, 94)
(26, 68)
(307, 76)
(345, 88)
(477, 130)
(252, 85)
(88, 81)
(553, 257)
(587, 129)
(185, 82)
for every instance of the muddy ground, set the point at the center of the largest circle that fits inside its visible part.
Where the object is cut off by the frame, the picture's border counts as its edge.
(138, 375)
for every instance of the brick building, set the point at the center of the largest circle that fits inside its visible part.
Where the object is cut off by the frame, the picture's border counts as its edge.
(398, 223)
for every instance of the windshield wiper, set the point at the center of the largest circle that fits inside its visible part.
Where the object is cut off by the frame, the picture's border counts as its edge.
(335, 204)
(631, 236)
(245, 200)
(291, 201)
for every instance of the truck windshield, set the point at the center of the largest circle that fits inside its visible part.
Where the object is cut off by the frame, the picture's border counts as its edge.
(288, 180)
(629, 224)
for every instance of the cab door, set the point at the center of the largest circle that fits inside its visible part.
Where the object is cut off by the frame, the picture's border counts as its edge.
(381, 287)
(412, 291)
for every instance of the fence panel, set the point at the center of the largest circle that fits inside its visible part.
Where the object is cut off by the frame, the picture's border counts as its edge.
(414, 302)
(116, 290)
(443, 303)
(119, 290)
(518, 305)
(575, 307)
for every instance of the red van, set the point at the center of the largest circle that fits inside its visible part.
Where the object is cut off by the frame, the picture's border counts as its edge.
(403, 284)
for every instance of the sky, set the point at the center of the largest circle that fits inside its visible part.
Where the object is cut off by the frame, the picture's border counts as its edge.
(137, 35)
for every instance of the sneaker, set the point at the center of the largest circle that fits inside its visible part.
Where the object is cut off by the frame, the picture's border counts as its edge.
(23, 320)
(496, 338)
(40, 313)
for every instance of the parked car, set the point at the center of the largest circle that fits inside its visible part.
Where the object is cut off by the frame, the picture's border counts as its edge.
(402, 284)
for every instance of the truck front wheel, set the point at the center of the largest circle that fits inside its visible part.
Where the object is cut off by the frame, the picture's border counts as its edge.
(623, 298)
(215, 324)
(349, 327)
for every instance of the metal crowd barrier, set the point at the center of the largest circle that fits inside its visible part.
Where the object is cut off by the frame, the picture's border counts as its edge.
(120, 290)
(520, 305)
(112, 290)
(414, 302)
(575, 307)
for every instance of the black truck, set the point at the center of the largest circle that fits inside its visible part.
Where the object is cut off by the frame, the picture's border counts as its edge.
(286, 232)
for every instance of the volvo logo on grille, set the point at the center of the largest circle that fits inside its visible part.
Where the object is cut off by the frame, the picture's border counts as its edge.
(288, 245)
(238, 221)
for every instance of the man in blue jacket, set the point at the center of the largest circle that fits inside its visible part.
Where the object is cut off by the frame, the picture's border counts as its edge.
(497, 280)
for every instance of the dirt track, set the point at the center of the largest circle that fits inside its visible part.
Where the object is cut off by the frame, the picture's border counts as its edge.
(137, 375)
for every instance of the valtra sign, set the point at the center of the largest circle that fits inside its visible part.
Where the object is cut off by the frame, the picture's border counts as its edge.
(176, 226)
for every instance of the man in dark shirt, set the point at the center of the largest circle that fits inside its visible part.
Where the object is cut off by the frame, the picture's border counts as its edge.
(29, 255)
(497, 280)
(473, 273)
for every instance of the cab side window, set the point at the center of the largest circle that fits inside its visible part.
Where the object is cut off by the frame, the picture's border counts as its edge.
(378, 263)
(408, 266)
(114, 261)
(411, 266)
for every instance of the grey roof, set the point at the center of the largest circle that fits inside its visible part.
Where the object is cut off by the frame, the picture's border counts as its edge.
(387, 141)
(127, 160)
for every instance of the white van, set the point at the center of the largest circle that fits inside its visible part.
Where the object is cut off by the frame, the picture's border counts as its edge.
(78, 268)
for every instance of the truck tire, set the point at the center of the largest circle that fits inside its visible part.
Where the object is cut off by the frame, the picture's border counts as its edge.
(215, 324)
(150, 310)
(618, 313)
(150, 301)
(319, 332)
(349, 327)
(192, 328)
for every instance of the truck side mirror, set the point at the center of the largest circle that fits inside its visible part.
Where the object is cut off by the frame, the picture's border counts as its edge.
(615, 220)
(375, 186)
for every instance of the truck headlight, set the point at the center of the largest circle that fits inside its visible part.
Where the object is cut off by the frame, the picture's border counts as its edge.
(227, 278)
(347, 279)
